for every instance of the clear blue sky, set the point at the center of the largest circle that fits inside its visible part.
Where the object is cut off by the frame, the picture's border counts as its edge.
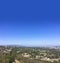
(30, 22)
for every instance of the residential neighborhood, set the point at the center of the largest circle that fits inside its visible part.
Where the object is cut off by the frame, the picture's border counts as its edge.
(29, 54)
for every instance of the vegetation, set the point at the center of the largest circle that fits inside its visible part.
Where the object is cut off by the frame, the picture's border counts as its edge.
(9, 54)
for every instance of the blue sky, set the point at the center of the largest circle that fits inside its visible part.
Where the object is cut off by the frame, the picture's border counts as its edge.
(30, 23)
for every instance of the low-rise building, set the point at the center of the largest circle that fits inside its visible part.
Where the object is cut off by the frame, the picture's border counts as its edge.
(26, 55)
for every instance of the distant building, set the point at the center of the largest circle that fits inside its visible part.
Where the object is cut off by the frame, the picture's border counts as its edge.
(26, 55)
(37, 57)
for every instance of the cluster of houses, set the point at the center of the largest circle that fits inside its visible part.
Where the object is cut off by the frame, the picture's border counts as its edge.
(5, 50)
(26, 55)
(51, 60)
